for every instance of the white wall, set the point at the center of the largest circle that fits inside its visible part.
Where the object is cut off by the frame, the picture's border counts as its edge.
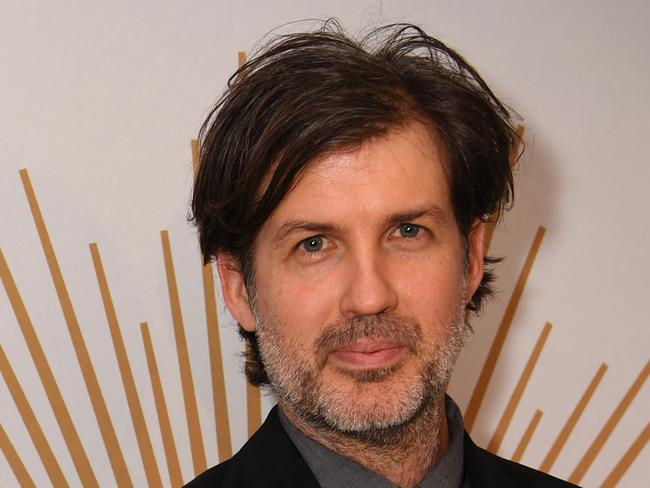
(99, 101)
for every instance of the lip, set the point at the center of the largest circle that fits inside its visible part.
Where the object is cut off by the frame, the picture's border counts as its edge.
(368, 354)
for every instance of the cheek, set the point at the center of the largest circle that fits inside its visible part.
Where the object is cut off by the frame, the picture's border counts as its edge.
(433, 290)
(300, 306)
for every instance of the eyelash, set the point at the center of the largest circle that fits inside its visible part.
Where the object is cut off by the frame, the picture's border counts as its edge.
(324, 240)
(401, 227)
(301, 246)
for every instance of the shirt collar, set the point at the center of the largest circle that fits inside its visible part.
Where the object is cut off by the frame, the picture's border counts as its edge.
(333, 470)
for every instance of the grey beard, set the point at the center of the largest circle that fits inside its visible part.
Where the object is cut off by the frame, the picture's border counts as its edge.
(297, 385)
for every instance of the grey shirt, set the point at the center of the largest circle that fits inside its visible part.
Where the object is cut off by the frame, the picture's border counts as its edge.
(335, 471)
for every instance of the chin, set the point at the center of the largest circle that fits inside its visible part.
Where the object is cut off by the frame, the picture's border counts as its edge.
(365, 403)
(377, 415)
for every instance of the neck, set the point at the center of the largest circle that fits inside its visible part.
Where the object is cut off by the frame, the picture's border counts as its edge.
(402, 455)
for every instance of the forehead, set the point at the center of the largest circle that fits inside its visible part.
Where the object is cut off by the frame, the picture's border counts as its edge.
(404, 169)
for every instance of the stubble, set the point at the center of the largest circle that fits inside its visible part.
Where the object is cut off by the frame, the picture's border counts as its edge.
(399, 411)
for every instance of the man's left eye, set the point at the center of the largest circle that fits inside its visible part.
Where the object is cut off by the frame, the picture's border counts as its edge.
(409, 230)
(313, 244)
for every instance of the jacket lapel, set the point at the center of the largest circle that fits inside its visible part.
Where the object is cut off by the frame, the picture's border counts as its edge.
(270, 460)
(485, 470)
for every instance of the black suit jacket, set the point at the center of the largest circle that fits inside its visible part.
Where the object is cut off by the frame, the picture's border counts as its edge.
(270, 460)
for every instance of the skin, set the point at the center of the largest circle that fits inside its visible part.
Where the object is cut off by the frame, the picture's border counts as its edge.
(364, 234)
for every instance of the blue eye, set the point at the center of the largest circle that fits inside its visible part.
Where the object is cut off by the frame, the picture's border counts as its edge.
(313, 244)
(409, 230)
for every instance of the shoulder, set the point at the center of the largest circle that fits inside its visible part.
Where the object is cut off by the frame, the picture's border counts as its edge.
(268, 459)
(487, 469)
(212, 477)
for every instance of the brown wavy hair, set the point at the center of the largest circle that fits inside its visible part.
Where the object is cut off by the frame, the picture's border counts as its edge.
(304, 95)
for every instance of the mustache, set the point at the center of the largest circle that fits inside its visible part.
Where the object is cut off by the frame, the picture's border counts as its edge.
(398, 329)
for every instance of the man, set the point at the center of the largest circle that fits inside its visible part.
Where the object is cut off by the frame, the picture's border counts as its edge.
(343, 190)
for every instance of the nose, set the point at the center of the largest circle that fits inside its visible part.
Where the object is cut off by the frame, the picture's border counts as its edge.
(369, 289)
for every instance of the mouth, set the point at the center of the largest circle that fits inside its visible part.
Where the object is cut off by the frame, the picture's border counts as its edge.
(368, 354)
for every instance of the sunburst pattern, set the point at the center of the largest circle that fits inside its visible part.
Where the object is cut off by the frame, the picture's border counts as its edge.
(122, 478)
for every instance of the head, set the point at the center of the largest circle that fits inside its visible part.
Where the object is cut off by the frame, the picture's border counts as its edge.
(347, 151)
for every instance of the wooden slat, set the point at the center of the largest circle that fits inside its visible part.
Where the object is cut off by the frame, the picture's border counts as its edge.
(598, 443)
(500, 338)
(515, 398)
(45, 374)
(628, 458)
(222, 422)
(490, 227)
(571, 422)
(189, 398)
(254, 408)
(15, 463)
(133, 400)
(196, 155)
(514, 151)
(171, 455)
(85, 364)
(253, 396)
(34, 429)
(492, 221)
(525, 439)
(220, 404)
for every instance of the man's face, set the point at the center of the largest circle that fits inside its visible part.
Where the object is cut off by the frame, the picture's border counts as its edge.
(360, 282)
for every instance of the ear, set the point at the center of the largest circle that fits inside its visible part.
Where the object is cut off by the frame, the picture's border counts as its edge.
(234, 290)
(475, 255)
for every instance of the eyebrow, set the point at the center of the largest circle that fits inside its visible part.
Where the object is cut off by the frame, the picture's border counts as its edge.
(434, 212)
(293, 226)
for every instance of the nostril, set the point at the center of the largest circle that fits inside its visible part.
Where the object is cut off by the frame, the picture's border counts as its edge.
(369, 292)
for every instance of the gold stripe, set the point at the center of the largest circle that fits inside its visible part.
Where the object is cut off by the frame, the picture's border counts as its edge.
(514, 152)
(221, 418)
(31, 423)
(571, 422)
(609, 426)
(191, 410)
(628, 458)
(490, 226)
(196, 155)
(253, 396)
(133, 401)
(254, 407)
(45, 374)
(497, 344)
(241, 58)
(515, 398)
(171, 455)
(14, 461)
(525, 439)
(492, 221)
(85, 364)
(222, 421)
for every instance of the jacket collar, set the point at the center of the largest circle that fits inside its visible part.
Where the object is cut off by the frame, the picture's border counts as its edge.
(270, 460)
(485, 470)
